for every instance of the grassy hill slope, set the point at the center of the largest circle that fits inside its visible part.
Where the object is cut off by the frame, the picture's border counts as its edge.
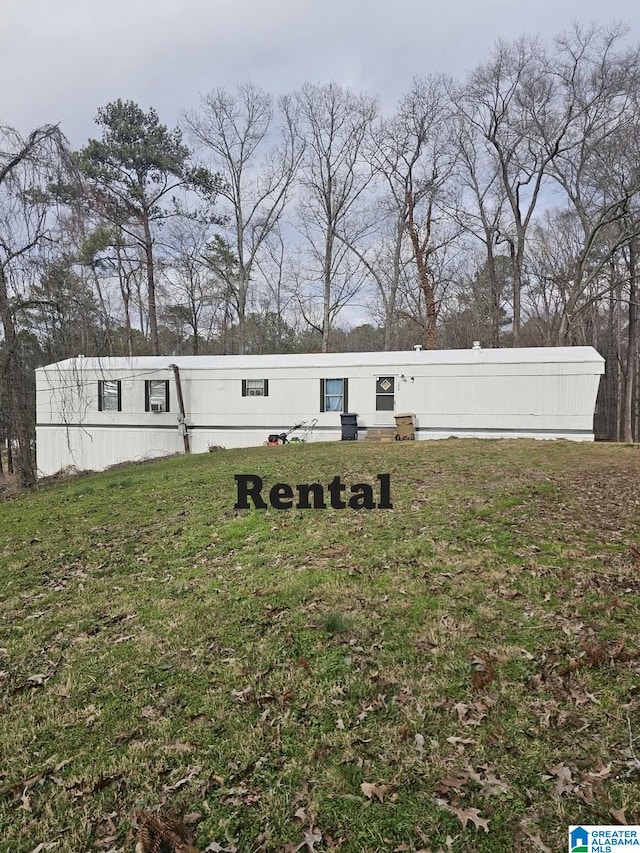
(461, 672)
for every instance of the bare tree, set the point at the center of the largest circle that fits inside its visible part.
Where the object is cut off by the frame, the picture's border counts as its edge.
(481, 211)
(516, 105)
(27, 167)
(334, 176)
(188, 284)
(278, 295)
(632, 366)
(412, 154)
(385, 260)
(257, 163)
(597, 169)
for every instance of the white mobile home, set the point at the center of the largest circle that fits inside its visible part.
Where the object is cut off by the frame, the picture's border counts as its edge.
(92, 413)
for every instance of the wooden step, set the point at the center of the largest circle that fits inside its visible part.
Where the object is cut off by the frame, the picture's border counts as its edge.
(381, 433)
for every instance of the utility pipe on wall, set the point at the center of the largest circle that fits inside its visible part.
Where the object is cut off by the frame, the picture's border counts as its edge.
(182, 421)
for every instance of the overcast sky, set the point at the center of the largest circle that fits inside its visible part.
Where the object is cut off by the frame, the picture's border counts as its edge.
(62, 59)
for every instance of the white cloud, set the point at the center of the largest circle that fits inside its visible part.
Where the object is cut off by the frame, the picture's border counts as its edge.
(60, 61)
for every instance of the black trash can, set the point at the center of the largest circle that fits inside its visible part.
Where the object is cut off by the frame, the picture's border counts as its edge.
(349, 421)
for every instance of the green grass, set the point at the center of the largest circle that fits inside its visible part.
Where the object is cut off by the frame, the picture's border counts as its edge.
(475, 647)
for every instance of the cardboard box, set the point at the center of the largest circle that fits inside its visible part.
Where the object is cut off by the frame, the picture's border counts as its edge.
(406, 427)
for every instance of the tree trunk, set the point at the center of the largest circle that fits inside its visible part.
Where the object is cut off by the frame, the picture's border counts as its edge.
(18, 417)
(632, 348)
(421, 254)
(127, 321)
(242, 309)
(518, 261)
(390, 326)
(618, 351)
(151, 285)
(495, 295)
(326, 289)
(105, 313)
(9, 449)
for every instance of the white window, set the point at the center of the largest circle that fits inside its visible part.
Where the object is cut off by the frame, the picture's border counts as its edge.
(255, 387)
(156, 395)
(333, 395)
(109, 395)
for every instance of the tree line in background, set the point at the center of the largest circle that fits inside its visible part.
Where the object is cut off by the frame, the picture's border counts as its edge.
(504, 207)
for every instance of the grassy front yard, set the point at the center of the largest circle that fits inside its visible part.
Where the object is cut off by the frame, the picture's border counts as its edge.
(461, 672)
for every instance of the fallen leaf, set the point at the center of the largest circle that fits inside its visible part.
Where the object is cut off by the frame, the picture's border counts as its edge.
(455, 783)
(488, 781)
(466, 815)
(619, 815)
(180, 747)
(213, 779)
(39, 679)
(601, 771)
(461, 709)
(170, 789)
(378, 791)
(535, 838)
(564, 783)
(242, 695)
(312, 836)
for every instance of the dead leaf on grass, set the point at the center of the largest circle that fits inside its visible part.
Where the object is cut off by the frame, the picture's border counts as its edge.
(378, 791)
(600, 771)
(564, 779)
(312, 836)
(179, 747)
(478, 709)
(242, 695)
(466, 815)
(213, 780)
(464, 741)
(534, 837)
(241, 796)
(192, 773)
(488, 781)
(619, 815)
(40, 679)
(452, 783)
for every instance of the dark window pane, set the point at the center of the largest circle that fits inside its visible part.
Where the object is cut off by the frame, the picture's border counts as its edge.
(384, 402)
